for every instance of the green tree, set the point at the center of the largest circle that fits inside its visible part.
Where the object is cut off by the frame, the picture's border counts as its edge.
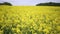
(6, 3)
(48, 4)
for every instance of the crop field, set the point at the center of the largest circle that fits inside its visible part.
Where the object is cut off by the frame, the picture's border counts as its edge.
(29, 20)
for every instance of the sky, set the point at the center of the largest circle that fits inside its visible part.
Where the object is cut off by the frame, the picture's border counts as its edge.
(27, 2)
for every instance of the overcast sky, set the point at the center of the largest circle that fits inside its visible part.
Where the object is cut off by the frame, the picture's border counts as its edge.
(28, 2)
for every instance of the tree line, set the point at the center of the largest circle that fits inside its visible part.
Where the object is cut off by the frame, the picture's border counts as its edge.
(39, 4)
(6, 3)
(48, 4)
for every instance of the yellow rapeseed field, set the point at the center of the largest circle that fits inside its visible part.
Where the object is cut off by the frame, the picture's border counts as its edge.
(29, 20)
